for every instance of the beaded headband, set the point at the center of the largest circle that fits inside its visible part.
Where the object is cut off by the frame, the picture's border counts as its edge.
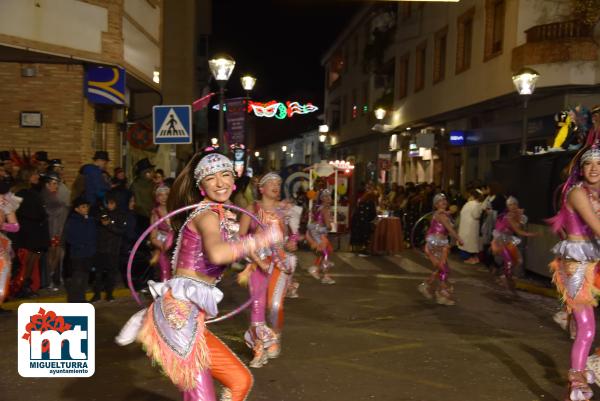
(268, 177)
(437, 198)
(324, 193)
(212, 164)
(592, 153)
(161, 189)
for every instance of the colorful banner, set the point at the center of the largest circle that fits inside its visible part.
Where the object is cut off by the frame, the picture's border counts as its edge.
(235, 116)
(105, 85)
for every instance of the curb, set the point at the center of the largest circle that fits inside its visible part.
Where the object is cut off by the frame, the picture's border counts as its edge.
(535, 289)
(60, 297)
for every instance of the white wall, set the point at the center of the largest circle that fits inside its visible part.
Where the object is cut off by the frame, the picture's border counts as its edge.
(144, 14)
(139, 50)
(69, 23)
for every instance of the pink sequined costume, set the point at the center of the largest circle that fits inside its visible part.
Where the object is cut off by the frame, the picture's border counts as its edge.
(172, 329)
(574, 270)
(9, 203)
(316, 235)
(266, 317)
(505, 243)
(437, 247)
(164, 235)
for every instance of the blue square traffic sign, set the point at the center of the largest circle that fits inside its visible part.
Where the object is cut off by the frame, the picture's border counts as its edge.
(172, 124)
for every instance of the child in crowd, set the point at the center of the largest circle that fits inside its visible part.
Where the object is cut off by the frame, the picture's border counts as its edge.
(162, 236)
(80, 239)
(110, 230)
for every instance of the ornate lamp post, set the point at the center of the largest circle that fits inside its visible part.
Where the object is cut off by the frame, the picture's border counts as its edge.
(221, 66)
(524, 82)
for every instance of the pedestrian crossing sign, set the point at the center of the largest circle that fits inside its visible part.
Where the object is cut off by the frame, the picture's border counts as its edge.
(172, 124)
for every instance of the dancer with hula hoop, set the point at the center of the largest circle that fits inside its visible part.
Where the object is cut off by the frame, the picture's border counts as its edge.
(172, 329)
(263, 338)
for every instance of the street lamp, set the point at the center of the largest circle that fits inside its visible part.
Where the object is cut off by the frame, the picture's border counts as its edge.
(248, 82)
(380, 113)
(323, 130)
(256, 154)
(525, 81)
(221, 66)
(284, 148)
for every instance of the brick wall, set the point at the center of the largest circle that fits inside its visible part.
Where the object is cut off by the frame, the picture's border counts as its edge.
(68, 128)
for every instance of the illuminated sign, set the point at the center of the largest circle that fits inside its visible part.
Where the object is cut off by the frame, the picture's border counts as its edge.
(280, 110)
(457, 138)
(276, 109)
(413, 149)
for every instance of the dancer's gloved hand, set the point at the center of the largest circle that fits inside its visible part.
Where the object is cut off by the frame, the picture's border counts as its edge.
(262, 263)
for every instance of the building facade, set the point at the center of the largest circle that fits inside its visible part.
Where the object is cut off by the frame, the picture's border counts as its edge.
(442, 71)
(47, 50)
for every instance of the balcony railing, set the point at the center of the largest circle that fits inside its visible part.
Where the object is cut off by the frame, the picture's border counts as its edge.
(558, 30)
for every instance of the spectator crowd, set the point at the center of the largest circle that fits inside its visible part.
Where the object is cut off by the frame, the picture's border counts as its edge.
(78, 235)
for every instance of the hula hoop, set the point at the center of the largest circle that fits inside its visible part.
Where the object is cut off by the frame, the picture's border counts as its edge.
(171, 214)
(414, 228)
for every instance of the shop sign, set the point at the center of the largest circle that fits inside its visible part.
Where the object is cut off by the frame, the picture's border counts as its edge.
(457, 138)
(384, 161)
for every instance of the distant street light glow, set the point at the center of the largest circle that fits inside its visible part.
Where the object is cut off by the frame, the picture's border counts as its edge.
(380, 113)
(248, 82)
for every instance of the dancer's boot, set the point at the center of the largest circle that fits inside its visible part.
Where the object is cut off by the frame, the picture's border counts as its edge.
(260, 356)
(443, 296)
(426, 289)
(579, 389)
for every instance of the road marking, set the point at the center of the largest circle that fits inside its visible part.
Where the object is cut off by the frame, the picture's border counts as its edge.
(396, 375)
(407, 264)
(357, 263)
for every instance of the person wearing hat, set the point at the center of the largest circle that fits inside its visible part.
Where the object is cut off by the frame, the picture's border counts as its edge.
(41, 160)
(80, 242)
(7, 166)
(95, 183)
(57, 207)
(120, 186)
(143, 190)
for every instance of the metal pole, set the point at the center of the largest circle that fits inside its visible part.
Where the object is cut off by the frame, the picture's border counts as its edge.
(525, 123)
(310, 188)
(335, 201)
(221, 114)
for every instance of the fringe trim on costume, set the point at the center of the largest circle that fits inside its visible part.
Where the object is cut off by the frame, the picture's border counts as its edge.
(181, 371)
(586, 296)
(243, 277)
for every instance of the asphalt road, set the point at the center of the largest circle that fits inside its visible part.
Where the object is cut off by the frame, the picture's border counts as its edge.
(371, 336)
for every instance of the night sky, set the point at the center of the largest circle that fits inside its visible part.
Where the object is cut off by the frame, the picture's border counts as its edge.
(281, 43)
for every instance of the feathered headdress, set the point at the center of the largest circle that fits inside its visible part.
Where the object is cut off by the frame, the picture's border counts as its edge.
(25, 160)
